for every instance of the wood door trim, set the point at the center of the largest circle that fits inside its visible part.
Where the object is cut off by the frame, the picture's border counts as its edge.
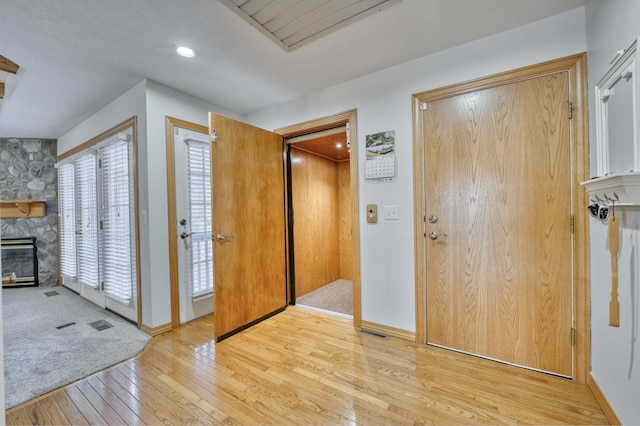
(323, 123)
(174, 286)
(578, 86)
(131, 122)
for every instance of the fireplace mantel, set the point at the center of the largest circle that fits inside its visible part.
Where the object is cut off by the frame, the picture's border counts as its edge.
(16, 209)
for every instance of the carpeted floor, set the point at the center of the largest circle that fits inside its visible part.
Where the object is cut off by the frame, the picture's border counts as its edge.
(334, 297)
(40, 357)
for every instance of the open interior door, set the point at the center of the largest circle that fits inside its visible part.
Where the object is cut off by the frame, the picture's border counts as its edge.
(247, 181)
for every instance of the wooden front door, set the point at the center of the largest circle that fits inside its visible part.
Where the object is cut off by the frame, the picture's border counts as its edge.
(248, 224)
(498, 208)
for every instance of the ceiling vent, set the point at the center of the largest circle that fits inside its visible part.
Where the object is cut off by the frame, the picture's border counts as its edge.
(294, 23)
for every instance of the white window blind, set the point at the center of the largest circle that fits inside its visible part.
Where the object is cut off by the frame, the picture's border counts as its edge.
(87, 220)
(67, 212)
(199, 186)
(116, 254)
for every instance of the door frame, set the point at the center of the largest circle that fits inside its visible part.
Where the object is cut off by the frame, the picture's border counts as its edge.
(576, 66)
(340, 119)
(174, 285)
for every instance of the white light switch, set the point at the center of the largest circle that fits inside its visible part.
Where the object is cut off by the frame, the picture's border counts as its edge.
(391, 212)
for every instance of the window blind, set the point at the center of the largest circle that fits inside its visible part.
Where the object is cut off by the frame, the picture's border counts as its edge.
(87, 221)
(199, 187)
(117, 259)
(67, 213)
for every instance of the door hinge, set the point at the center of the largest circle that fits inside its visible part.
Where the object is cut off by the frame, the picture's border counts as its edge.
(573, 223)
(423, 106)
(101, 226)
(570, 110)
(102, 286)
(573, 337)
(100, 163)
(214, 135)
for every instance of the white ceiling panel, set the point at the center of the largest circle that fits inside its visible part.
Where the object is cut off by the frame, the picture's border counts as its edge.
(294, 23)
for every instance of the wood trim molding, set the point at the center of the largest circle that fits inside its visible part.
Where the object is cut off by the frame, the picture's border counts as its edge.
(8, 65)
(607, 409)
(323, 123)
(1, 90)
(130, 122)
(578, 88)
(174, 285)
(154, 331)
(389, 331)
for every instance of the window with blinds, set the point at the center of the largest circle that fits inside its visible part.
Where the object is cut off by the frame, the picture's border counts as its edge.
(67, 225)
(97, 212)
(117, 267)
(199, 187)
(87, 220)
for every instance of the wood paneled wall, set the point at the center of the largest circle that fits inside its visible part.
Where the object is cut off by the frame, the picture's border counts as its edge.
(322, 224)
(344, 215)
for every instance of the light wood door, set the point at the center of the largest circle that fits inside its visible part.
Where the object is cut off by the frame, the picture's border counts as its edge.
(248, 209)
(498, 179)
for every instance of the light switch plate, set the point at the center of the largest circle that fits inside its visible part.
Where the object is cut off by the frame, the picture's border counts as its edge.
(391, 212)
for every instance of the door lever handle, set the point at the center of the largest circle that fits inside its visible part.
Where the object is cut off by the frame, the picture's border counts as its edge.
(223, 238)
(434, 235)
(185, 235)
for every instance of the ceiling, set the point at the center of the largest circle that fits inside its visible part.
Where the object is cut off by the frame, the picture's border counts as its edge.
(76, 56)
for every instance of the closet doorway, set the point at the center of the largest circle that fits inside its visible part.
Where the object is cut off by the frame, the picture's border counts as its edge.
(324, 250)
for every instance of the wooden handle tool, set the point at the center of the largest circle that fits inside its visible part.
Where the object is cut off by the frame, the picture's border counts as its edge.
(614, 246)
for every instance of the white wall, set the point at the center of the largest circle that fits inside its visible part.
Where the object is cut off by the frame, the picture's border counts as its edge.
(383, 100)
(615, 361)
(150, 102)
(163, 101)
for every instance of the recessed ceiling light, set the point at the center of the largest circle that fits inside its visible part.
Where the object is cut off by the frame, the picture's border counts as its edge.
(338, 145)
(186, 51)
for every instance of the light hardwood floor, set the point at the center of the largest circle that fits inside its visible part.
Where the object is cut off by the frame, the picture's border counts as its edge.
(302, 367)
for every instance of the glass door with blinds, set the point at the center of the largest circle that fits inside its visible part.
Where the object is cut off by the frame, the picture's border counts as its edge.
(193, 212)
(97, 227)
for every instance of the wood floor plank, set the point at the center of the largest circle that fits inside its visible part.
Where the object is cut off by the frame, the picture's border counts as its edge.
(110, 398)
(303, 367)
(56, 415)
(38, 415)
(20, 417)
(142, 411)
(84, 405)
(68, 407)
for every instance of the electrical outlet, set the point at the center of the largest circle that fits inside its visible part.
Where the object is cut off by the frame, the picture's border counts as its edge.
(391, 212)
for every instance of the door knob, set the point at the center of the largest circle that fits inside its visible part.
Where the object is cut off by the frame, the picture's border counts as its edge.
(434, 235)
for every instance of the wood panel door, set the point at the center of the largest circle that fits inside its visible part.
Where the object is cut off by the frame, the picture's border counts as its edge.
(498, 180)
(247, 178)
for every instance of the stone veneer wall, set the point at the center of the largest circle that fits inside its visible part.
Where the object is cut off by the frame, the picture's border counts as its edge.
(27, 173)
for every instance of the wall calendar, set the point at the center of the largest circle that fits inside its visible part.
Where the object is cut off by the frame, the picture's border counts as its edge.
(381, 157)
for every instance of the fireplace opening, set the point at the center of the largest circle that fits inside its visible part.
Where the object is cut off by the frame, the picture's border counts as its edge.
(19, 262)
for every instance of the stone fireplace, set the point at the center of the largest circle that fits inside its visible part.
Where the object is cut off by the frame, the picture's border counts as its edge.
(27, 172)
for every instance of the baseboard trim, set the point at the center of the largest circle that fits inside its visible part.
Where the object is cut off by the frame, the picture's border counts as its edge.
(611, 415)
(389, 331)
(154, 331)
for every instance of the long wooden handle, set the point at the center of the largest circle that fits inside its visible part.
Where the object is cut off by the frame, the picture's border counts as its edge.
(614, 246)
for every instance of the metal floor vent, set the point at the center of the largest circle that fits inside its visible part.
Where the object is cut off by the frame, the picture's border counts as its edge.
(51, 293)
(374, 334)
(60, 327)
(100, 325)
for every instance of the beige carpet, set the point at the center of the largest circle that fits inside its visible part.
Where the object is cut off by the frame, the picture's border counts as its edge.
(334, 297)
(51, 339)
